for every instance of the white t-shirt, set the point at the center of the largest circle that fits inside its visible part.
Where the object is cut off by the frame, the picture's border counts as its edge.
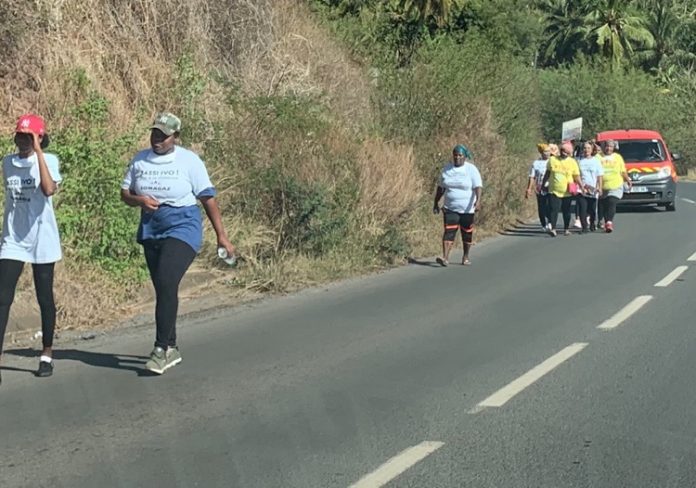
(590, 168)
(537, 171)
(29, 229)
(459, 183)
(173, 179)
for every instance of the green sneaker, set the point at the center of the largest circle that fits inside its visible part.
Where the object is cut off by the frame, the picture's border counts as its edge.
(173, 357)
(158, 361)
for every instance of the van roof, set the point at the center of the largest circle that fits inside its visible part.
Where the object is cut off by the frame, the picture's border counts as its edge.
(628, 134)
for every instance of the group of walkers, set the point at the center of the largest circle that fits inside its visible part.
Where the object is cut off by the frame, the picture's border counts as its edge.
(165, 181)
(595, 182)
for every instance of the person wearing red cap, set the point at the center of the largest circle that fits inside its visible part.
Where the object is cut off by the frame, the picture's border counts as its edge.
(30, 231)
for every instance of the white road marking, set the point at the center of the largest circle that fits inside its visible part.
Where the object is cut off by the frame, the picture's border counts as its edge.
(688, 201)
(625, 312)
(397, 465)
(502, 396)
(692, 257)
(669, 279)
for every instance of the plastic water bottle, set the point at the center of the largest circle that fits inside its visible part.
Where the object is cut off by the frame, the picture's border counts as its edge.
(229, 259)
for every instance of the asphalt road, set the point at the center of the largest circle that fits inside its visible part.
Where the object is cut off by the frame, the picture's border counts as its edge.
(493, 375)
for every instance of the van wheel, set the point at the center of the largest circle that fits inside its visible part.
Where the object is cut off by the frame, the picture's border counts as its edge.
(670, 207)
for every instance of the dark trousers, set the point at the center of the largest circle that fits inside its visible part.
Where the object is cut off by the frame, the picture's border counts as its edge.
(607, 208)
(167, 260)
(587, 207)
(543, 209)
(557, 205)
(10, 271)
(592, 209)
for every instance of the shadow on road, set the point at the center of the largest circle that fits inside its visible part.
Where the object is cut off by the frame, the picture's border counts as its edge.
(523, 229)
(422, 262)
(125, 362)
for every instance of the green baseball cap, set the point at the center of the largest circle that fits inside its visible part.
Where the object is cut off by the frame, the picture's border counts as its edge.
(167, 123)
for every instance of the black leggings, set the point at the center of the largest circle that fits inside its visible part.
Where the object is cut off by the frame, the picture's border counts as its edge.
(586, 207)
(10, 271)
(556, 205)
(607, 208)
(167, 259)
(543, 209)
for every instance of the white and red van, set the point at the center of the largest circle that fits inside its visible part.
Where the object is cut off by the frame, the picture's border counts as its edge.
(649, 164)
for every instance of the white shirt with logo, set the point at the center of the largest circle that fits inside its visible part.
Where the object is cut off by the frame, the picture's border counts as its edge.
(459, 184)
(173, 179)
(29, 230)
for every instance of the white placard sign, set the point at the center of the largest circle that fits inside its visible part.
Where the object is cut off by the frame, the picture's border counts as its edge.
(572, 130)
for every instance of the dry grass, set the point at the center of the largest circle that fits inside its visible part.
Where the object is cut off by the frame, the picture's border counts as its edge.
(128, 51)
(390, 184)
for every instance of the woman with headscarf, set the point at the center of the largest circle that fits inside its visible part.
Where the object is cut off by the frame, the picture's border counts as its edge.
(615, 176)
(563, 177)
(536, 180)
(460, 183)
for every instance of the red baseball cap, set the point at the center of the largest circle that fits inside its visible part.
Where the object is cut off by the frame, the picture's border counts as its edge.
(32, 124)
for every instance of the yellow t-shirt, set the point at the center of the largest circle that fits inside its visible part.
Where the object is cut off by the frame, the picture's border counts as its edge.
(614, 167)
(562, 172)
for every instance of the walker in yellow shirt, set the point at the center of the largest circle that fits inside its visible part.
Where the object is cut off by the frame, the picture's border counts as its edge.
(561, 173)
(614, 168)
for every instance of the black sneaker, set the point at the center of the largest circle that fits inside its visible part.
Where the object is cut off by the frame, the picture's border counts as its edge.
(45, 369)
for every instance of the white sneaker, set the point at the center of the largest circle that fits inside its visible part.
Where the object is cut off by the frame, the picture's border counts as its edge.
(577, 224)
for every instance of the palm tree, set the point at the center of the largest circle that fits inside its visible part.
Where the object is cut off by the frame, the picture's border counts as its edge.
(617, 28)
(565, 31)
(439, 10)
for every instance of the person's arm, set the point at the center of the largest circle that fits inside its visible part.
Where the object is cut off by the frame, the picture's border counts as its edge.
(212, 210)
(48, 186)
(477, 192)
(577, 176)
(547, 175)
(530, 185)
(600, 184)
(439, 191)
(145, 202)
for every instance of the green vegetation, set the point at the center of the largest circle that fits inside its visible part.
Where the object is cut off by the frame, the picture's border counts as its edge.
(324, 123)
(616, 63)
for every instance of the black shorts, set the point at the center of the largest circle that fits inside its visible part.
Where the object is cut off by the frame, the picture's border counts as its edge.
(454, 221)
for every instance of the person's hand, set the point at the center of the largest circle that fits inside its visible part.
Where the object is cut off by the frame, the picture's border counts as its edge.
(527, 193)
(436, 209)
(477, 208)
(148, 203)
(225, 243)
(37, 142)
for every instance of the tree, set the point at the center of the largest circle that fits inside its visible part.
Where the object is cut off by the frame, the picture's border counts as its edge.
(617, 28)
(565, 31)
(438, 10)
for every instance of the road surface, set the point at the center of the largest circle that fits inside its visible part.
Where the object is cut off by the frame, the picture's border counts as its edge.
(547, 363)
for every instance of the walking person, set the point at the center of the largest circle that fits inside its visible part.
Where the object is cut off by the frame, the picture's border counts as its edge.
(30, 231)
(166, 181)
(592, 173)
(460, 183)
(615, 176)
(563, 177)
(536, 184)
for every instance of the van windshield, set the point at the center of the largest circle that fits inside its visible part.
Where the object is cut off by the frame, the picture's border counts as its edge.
(635, 151)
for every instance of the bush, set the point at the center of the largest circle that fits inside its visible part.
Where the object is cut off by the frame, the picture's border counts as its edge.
(614, 99)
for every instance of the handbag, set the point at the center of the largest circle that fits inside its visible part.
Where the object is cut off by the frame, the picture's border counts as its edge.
(573, 188)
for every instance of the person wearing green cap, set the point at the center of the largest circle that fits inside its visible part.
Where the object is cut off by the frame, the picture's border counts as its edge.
(460, 183)
(166, 181)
